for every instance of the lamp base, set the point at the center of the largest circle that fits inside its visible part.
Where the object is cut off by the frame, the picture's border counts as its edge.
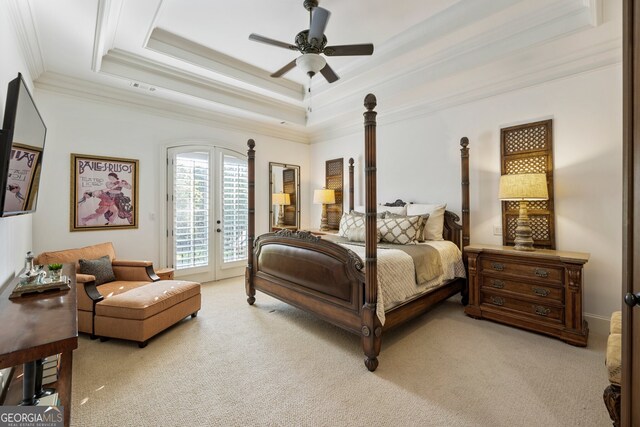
(324, 222)
(280, 217)
(523, 241)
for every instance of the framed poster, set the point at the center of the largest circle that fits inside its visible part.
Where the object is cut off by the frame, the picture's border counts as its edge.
(23, 164)
(104, 193)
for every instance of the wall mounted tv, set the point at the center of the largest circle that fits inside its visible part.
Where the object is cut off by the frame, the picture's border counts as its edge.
(21, 147)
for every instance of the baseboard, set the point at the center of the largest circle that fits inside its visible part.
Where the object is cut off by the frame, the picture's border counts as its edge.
(598, 324)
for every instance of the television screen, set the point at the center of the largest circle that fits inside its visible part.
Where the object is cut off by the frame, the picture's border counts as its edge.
(21, 150)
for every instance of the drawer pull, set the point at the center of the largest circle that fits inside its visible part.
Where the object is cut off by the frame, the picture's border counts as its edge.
(498, 284)
(541, 292)
(541, 272)
(542, 311)
(497, 266)
(497, 300)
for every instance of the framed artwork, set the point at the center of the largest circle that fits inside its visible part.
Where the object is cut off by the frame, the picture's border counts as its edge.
(24, 165)
(104, 193)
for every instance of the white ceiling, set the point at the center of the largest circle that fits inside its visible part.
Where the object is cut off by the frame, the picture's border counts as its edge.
(226, 25)
(196, 53)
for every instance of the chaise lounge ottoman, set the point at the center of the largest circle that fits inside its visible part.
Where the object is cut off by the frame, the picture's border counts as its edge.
(143, 312)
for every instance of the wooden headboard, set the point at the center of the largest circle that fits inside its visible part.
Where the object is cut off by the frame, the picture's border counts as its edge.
(453, 230)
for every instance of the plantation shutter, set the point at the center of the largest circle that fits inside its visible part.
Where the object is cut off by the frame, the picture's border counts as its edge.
(235, 207)
(191, 198)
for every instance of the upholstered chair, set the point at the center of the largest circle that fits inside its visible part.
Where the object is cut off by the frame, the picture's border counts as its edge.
(126, 275)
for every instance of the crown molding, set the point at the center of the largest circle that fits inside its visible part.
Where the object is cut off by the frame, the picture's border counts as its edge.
(26, 31)
(173, 45)
(588, 59)
(106, 25)
(133, 67)
(519, 32)
(101, 93)
(450, 20)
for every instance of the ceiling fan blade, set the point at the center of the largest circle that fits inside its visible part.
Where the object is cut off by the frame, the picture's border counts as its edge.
(284, 70)
(349, 50)
(272, 42)
(329, 74)
(319, 19)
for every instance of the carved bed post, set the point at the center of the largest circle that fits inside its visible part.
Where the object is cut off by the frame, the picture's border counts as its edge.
(464, 160)
(350, 184)
(464, 157)
(251, 166)
(371, 328)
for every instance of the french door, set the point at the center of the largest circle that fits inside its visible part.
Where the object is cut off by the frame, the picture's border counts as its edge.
(207, 212)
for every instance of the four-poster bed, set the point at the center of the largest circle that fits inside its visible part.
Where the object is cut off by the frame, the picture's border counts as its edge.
(330, 280)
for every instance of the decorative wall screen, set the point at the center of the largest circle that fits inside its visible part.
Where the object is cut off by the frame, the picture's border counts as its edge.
(289, 187)
(334, 174)
(528, 148)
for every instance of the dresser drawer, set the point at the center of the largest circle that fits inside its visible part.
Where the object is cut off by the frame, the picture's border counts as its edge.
(537, 291)
(540, 273)
(534, 310)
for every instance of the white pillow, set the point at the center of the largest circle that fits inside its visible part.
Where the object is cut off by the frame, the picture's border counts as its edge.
(435, 223)
(360, 209)
(398, 210)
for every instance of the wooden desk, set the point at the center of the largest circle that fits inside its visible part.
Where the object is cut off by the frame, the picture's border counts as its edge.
(40, 325)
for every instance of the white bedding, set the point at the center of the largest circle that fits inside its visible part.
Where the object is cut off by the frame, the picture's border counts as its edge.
(396, 273)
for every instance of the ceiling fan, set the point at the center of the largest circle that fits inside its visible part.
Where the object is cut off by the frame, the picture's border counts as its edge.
(311, 43)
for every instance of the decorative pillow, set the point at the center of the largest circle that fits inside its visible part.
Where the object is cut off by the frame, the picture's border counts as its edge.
(398, 210)
(424, 218)
(100, 268)
(357, 234)
(349, 221)
(423, 225)
(399, 230)
(435, 224)
(379, 215)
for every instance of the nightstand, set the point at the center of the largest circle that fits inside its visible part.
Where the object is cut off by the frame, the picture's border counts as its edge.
(275, 228)
(165, 273)
(540, 291)
(317, 232)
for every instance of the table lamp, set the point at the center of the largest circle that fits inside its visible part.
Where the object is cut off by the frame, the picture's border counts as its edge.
(324, 197)
(282, 200)
(522, 188)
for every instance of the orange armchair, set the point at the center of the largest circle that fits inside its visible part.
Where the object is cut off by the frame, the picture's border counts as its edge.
(129, 275)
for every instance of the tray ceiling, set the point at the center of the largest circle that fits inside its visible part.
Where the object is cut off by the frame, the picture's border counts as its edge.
(196, 53)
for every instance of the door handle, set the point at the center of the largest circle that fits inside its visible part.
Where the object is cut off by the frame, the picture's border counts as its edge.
(632, 299)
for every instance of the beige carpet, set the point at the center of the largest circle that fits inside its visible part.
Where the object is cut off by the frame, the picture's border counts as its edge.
(272, 364)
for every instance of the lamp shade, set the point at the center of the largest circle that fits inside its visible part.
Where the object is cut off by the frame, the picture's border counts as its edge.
(311, 63)
(324, 197)
(280, 199)
(525, 186)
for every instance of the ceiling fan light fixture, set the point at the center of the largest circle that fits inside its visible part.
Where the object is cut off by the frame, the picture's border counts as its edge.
(311, 63)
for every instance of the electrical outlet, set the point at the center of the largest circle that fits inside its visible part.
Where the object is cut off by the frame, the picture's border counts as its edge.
(497, 230)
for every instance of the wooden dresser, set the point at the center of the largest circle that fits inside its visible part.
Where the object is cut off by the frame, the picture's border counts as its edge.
(540, 291)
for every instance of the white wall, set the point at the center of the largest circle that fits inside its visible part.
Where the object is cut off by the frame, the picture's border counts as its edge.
(15, 232)
(419, 161)
(88, 127)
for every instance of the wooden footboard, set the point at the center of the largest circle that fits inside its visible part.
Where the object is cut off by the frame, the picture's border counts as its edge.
(312, 274)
